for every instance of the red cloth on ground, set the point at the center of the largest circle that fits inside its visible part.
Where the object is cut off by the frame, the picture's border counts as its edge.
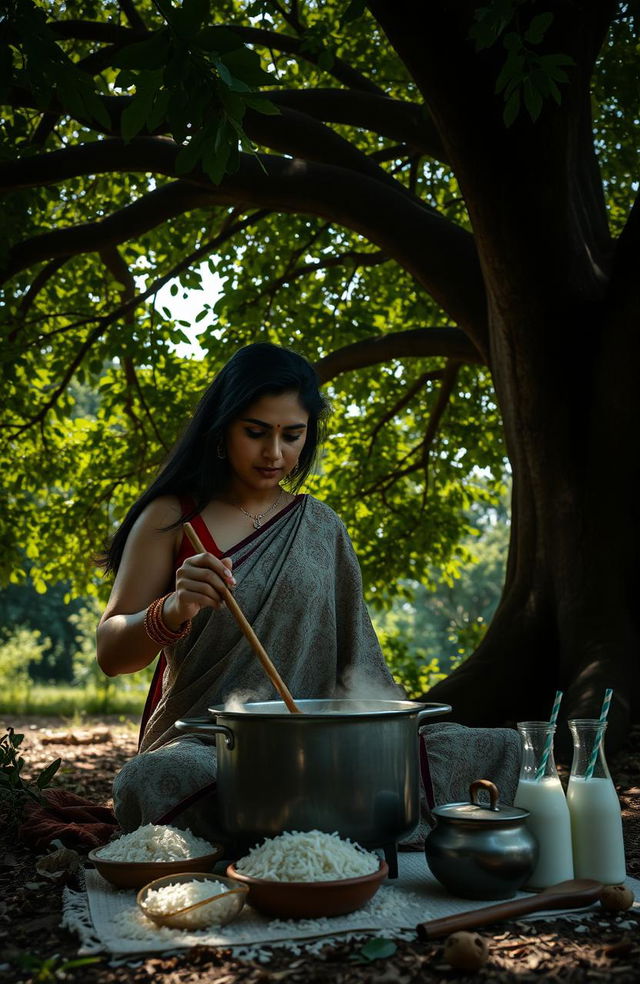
(69, 818)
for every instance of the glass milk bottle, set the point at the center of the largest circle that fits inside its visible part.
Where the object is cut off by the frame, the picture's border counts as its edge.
(596, 823)
(540, 792)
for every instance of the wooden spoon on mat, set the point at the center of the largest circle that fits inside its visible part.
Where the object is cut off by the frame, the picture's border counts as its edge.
(240, 618)
(576, 893)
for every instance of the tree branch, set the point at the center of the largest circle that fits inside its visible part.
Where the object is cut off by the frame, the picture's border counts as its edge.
(292, 132)
(300, 135)
(116, 265)
(39, 282)
(400, 404)
(439, 254)
(124, 309)
(386, 481)
(402, 121)
(351, 257)
(412, 343)
(122, 272)
(452, 369)
(114, 34)
(127, 223)
(393, 119)
(132, 15)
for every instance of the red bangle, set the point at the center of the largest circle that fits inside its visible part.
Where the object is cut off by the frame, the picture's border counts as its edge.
(155, 627)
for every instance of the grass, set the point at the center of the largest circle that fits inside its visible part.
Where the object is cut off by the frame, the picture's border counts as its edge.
(71, 701)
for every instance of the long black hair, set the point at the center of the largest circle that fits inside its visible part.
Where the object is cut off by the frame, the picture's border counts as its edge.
(194, 467)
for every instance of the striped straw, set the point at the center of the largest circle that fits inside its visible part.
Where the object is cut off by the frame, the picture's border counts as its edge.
(546, 751)
(597, 743)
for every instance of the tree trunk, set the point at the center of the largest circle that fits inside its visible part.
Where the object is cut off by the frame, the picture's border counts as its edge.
(567, 619)
(560, 340)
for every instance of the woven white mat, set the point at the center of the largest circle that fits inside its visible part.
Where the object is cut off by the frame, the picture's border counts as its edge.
(398, 906)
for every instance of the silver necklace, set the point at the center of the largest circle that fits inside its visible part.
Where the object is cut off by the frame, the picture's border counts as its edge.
(257, 519)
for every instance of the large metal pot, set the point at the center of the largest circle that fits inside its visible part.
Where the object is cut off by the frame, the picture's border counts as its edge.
(349, 766)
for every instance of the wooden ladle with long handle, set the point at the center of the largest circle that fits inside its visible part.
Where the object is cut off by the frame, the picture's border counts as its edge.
(576, 893)
(240, 618)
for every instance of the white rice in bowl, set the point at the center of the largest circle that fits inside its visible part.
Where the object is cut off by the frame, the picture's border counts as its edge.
(156, 842)
(167, 899)
(308, 856)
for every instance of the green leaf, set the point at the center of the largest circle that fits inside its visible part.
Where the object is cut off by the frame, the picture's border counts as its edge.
(355, 9)
(245, 65)
(95, 106)
(217, 153)
(511, 69)
(532, 99)
(326, 58)
(512, 41)
(234, 105)
(194, 12)
(139, 109)
(219, 39)
(47, 774)
(69, 96)
(512, 108)
(125, 79)
(158, 110)
(79, 962)
(189, 155)
(378, 949)
(224, 72)
(552, 65)
(151, 53)
(538, 28)
(262, 105)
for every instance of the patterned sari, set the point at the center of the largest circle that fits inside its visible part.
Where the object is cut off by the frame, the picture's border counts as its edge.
(299, 585)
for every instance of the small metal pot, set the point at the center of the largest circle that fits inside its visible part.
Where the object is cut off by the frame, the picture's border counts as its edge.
(478, 851)
(349, 766)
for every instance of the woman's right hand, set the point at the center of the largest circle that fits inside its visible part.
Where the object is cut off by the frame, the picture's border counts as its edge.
(145, 573)
(200, 583)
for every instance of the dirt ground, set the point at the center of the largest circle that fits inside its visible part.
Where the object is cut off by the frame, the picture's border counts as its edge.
(33, 947)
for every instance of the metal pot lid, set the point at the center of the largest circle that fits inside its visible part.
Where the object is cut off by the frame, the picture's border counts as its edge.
(334, 708)
(473, 811)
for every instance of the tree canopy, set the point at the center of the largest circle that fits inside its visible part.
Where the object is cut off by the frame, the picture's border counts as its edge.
(409, 414)
(433, 202)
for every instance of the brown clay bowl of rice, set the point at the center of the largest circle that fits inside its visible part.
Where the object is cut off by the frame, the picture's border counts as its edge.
(308, 875)
(153, 851)
(192, 900)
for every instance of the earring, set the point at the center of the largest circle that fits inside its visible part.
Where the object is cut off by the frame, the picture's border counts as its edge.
(220, 450)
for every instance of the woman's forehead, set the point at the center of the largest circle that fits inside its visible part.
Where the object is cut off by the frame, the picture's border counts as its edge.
(283, 409)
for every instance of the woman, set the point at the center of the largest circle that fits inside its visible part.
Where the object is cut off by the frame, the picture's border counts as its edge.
(286, 556)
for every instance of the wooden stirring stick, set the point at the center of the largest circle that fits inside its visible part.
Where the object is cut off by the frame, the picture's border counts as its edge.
(573, 894)
(254, 642)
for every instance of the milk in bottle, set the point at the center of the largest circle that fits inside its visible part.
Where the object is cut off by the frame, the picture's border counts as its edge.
(596, 822)
(540, 792)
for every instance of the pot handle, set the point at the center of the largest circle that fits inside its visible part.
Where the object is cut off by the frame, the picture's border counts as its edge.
(430, 711)
(491, 788)
(205, 726)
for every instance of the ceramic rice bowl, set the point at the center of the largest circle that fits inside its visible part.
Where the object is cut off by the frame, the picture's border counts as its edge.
(310, 900)
(136, 874)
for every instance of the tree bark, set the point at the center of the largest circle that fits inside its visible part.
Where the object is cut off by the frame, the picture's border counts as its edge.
(567, 617)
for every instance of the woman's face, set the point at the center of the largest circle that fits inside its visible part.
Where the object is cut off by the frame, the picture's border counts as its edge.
(264, 443)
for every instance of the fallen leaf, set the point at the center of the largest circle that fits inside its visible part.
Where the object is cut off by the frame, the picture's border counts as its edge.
(60, 865)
